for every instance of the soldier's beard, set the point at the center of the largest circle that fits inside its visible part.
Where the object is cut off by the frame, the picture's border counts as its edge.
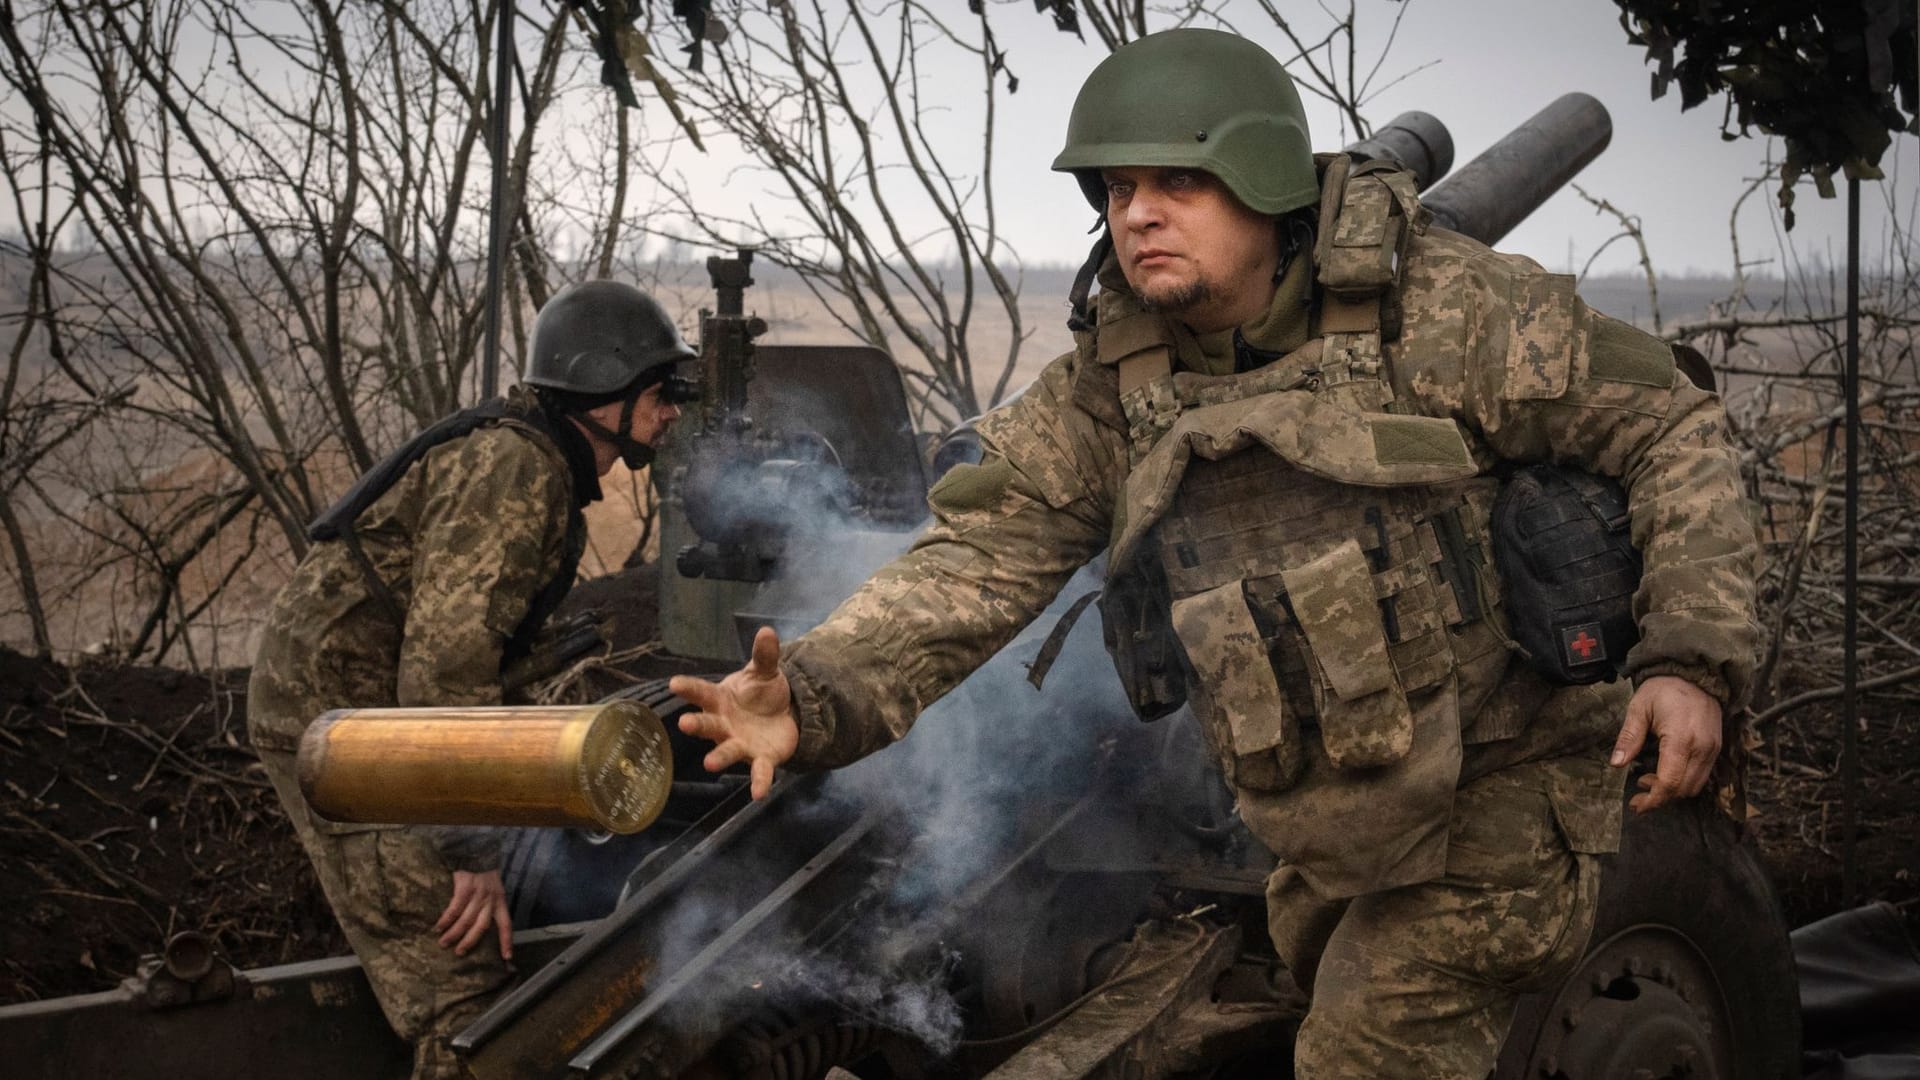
(1172, 298)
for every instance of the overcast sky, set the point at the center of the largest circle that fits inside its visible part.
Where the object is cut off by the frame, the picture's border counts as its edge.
(1480, 66)
(1483, 66)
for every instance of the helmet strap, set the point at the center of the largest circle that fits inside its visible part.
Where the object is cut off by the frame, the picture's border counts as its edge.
(1296, 236)
(1083, 283)
(634, 453)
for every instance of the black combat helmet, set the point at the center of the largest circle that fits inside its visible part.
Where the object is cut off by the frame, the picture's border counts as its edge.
(600, 337)
(599, 342)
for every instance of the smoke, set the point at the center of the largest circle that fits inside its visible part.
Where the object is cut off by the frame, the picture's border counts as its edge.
(916, 1004)
(963, 792)
(976, 762)
(836, 556)
(963, 785)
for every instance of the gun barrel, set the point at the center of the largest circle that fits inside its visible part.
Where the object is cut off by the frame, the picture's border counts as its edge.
(1495, 191)
(1416, 141)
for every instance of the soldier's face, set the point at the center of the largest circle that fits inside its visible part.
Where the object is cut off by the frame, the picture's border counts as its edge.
(1189, 248)
(652, 416)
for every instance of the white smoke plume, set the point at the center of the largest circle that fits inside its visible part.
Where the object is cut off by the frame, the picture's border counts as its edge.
(964, 785)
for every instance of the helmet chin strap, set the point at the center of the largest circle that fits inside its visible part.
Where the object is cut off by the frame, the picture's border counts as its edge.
(1297, 237)
(634, 453)
(1079, 318)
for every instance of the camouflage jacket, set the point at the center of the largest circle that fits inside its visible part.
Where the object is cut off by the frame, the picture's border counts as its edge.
(464, 541)
(1526, 371)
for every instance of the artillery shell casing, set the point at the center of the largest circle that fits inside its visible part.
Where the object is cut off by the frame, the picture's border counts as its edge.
(604, 766)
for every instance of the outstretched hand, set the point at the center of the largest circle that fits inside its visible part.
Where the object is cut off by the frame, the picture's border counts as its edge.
(1686, 722)
(748, 714)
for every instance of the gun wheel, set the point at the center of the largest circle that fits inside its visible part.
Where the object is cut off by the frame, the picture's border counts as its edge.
(1645, 1003)
(1690, 975)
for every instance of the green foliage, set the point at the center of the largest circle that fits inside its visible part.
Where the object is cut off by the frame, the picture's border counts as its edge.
(1821, 76)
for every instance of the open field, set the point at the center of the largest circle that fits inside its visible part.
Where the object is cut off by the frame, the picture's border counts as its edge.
(99, 597)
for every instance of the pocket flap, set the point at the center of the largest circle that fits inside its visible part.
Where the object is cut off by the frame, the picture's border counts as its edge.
(1541, 340)
(1364, 721)
(1332, 596)
(1224, 645)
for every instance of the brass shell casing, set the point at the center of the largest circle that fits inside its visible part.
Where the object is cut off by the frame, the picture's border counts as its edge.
(604, 766)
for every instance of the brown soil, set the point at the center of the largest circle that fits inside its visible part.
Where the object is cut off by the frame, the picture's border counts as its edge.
(130, 809)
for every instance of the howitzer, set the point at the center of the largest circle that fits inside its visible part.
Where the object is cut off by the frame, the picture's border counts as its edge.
(1106, 918)
(739, 536)
(788, 445)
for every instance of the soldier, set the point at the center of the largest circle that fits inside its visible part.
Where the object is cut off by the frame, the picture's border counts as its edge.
(425, 580)
(1288, 415)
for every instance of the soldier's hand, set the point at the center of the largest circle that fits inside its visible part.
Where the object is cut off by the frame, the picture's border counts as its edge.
(1686, 722)
(479, 904)
(748, 714)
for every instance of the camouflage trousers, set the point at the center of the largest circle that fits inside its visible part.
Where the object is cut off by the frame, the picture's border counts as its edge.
(387, 886)
(1422, 981)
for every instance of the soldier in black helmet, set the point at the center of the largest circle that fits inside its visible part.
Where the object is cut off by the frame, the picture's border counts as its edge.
(424, 581)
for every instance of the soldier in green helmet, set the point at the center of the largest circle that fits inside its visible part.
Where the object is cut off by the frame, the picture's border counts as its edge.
(430, 576)
(1287, 418)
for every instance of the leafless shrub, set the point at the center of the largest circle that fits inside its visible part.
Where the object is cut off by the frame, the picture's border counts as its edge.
(1780, 370)
(275, 213)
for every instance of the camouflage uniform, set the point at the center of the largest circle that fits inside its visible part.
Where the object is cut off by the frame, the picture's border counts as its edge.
(1436, 806)
(464, 542)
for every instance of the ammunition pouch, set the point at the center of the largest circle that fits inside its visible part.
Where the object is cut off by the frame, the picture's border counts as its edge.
(1561, 541)
(1139, 636)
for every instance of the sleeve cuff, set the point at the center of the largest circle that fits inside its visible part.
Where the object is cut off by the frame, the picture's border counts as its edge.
(810, 714)
(473, 849)
(1703, 677)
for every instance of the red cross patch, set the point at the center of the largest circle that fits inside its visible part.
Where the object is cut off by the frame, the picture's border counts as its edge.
(1582, 644)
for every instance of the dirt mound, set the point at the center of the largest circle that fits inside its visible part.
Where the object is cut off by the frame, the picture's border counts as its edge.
(131, 809)
(628, 600)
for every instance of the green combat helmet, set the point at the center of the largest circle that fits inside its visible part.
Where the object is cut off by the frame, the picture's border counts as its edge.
(1200, 99)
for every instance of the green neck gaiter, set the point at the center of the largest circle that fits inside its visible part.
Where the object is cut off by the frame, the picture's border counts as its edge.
(1280, 330)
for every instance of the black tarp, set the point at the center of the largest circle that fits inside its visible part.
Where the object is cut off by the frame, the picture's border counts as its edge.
(1859, 996)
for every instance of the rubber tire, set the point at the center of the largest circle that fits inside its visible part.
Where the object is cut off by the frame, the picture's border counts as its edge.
(1686, 867)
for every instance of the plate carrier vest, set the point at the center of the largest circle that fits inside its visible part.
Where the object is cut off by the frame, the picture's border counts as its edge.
(1318, 564)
